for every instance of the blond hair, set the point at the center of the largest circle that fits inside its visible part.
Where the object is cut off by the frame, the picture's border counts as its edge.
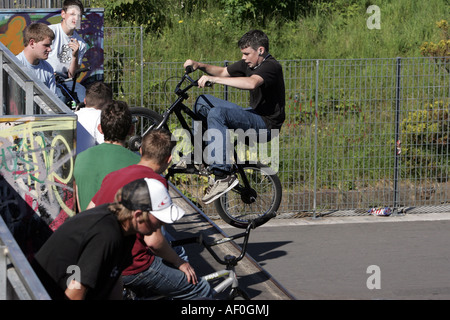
(123, 214)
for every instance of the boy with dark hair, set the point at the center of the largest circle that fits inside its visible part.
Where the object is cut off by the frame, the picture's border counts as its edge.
(257, 72)
(68, 48)
(93, 164)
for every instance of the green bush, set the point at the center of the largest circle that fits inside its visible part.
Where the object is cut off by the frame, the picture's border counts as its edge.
(425, 141)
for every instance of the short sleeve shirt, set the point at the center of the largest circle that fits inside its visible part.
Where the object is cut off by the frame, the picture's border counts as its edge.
(61, 55)
(94, 163)
(268, 100)
(142, 257)
(43, 71)
(89, 247)
(87, 128)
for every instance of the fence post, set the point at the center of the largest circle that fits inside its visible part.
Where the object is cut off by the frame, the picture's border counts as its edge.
(142, 66)
(315, 137)
(397, 132)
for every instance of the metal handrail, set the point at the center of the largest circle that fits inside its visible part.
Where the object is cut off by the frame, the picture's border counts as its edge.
(36, 92)
(22, 275)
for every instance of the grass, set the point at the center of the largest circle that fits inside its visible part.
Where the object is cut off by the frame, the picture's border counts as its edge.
(328, 30)
(208, 34)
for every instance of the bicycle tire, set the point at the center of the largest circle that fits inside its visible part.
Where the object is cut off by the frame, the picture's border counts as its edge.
(238, 209)
(143, 119)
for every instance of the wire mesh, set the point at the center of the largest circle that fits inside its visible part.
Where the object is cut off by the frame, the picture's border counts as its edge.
(359, 133)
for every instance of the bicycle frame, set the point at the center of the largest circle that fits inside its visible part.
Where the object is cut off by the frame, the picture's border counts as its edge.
(253, 176)
(70, 94)
(231, 280)
(177, 108)
(229, 261)
(228, 273)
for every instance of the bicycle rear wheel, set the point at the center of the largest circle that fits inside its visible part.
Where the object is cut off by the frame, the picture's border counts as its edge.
(143, 119)
(260, 199)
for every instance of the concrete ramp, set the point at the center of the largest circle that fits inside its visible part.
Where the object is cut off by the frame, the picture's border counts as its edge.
(257, 282)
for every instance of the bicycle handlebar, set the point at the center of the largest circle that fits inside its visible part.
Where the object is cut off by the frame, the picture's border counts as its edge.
(190, 69)
(60, 78)
(199, 239)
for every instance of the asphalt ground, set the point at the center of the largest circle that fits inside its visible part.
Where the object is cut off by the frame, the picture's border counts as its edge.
(356, 258)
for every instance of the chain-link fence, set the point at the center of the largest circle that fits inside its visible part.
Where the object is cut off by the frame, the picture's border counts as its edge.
(359, 133)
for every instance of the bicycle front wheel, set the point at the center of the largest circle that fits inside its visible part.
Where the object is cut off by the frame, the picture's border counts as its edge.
(143, 119)
(257, 195)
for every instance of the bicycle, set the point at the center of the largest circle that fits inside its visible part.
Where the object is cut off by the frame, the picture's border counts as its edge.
(229, 261)
(70, 94)
(258, 193)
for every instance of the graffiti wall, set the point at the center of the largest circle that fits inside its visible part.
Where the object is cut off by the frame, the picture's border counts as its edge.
(36, 182)
(14, 21)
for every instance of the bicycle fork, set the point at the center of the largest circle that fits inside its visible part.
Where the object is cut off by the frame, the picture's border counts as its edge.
(230, 280)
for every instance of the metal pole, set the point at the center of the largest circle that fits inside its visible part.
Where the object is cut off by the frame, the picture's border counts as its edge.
(315, 138)
(397, 134)
(142, 67)
(29, 97)
(3, 272)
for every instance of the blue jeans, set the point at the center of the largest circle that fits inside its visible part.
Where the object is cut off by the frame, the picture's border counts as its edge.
(179, 249)
(222, 115)
(162, 279)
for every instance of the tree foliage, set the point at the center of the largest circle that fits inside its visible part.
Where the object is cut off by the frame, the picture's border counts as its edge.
(439, 51)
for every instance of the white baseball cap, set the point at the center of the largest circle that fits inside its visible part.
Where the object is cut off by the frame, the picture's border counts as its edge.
(151, 195)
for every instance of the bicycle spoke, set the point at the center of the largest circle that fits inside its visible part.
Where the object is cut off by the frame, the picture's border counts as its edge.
(245, 204)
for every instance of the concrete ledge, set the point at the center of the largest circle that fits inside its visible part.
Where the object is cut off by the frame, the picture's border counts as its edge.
(350, 219)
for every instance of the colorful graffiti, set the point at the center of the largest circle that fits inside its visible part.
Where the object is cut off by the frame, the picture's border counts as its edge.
(36, 162)
(13, 22)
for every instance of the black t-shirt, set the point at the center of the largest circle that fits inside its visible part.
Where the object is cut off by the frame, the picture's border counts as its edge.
(91, 243)
(268, 100)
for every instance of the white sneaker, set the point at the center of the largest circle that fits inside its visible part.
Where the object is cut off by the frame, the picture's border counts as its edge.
(219, 187)
(187, 162)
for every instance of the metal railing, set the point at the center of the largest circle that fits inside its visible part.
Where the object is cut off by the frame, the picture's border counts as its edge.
(359, 133)
(332, 167)
(21, 93)
(36, 139)
(18, 280)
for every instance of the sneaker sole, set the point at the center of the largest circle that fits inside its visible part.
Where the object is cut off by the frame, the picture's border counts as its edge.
(235, 183)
